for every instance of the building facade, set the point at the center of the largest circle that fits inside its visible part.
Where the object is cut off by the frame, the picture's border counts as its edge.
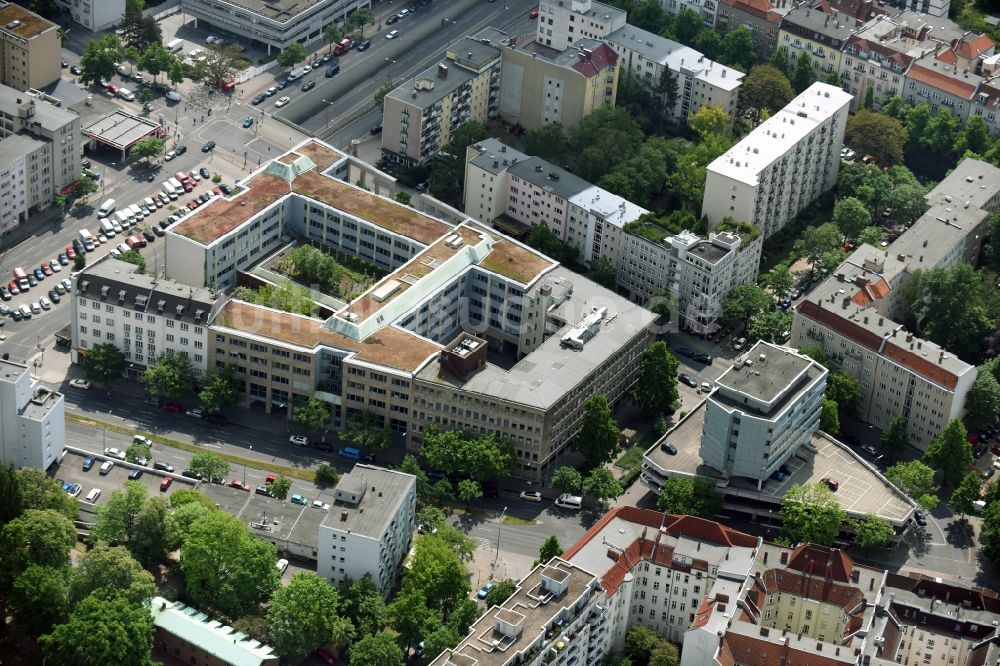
(538, 90)
(420, 115)
(370, 527)
(561, 23)
(273, 25)
(94, 15)
(761, 411)
(40, 149)
(32, 419)
(700, 81)
(783, 165)
(187, 635)
(27, 45)
(760, 17)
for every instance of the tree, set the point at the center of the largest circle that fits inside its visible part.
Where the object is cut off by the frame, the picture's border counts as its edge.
(500, 592)
(84, 187)
(779, 61)
(687, 25)
(599, 433)
(894, 439)
(133, 257)
(152, 533)
(869, 102)
(404, 198)
(804, 74)
(107, 572)
(436, 573)
(738, 49)
(466, 612)
(37, 490)
(878, 135)
(102, 363)
(603, 272)
(441, 638)
(656, 388)
(942, 133)
(692, 496)
(211, 466)
(136, 452)
(457, 452)
(950, 453)
(326, 474)
(279, 487)
(950, 306)
(602, 485)
(367, 430)
(746, 302)
(156, 60)
(547, 142)
(811, 514)
(171, 377)
(410, 616)
(851, 216)
(817, 240)
(377, 650)
(362, 601)
(380, 96)
(183, 517)
(39, 599)
(550, 548)
(664, 97)
(771, 326)
(311, 414)
(226, 566)
(640, 642)
(331, 35)
(176, 72)
(916, 480)
(779, 280)
(982, 404)
(80, 262)
(37, 536)
(468, 491)
(829, 417)
(870, 236)
(219, 390)
(359, 18)
(709, 119)
(567, 480)
(906, 202)
(865, 182)
(965, 494)
(221, 64)
(872, 532)
(98, 61)
(102, 631)
(303, 616)
(975, 137)
(709, 43)
(11, 498)
(116, 518)
(287, 297)
(844, 390)
(411, 466)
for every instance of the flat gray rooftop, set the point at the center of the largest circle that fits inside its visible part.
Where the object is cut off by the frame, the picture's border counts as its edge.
(710, 252)
(271, 519)
(496, 156)
(281, 11)
(766, 379)
(119, 129)
(862, 490)
(549, 177)
(385, 490)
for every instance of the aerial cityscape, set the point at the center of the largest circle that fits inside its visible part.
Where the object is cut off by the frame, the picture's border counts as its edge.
(500, 332)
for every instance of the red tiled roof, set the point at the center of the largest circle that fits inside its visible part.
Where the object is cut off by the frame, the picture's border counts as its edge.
(819, 589)
(755, 651)
(863, 45)
(703, 613)
(925, 367)
(947, 56)
(814, 560)
(987, 96)
(942, 81)
(593, 64)
(761, 9)
(725, 656)
(970, 49)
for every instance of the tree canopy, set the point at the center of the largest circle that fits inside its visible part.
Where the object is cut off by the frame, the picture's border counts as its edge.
(172, 377)
(950, 453)
(876, 134)
(916, 480)
(303, 616)
(102, 363)
(459, 452)
(811, 514)
(656, 386)
(692, 496)
(599, 434)
(102, 631)
(872, 532)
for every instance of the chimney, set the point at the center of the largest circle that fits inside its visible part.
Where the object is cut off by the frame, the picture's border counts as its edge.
(846, 302)
(442, 70)
(881, 321)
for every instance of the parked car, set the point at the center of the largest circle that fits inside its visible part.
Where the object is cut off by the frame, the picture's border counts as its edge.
(531, 496)
(299, 499)
(687, 379)
(363, 45)
(258, 99)
(485, 590)
(196, 412)
(299, 440)
(239, 485)
(920, 518)
(308, 85)
(702, 358)
(163, 465)
(180, 150)
(669, 448)
(282, 101)
(80, 384)
(171, 407)
(393, 34)
(165, 483)
(869, 449)
(112, 452)
(88, 463)
(134, 474)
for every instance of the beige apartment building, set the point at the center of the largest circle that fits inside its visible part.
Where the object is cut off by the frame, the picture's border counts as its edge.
(537, 89)
(562, 22)
(29, 48)
(420, 115)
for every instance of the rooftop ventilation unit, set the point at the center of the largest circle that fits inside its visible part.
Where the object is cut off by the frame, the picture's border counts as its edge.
(585, 330)
(382, 294)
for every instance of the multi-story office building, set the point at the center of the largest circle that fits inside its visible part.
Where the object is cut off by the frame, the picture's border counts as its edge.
(820, 34)
(544, 339)
(760, 17)
(143, 315)
(272, 24)
(27, 45)
(39, 149)
(783, 165)
(700, 81)
(761, 411)
(537, 89)
(369, 528)
(561, 23)
(420, 114)
(94, 15)
(32, 419)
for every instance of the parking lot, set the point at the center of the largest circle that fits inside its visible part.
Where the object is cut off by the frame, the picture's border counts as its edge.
(71, 470)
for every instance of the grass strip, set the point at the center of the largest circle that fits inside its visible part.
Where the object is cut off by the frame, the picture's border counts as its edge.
(304, 474)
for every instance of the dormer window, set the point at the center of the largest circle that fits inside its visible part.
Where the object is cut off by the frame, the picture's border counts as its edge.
(121, 296)
(104, 291)
(180, 310)
(160, 305)
(140, 301)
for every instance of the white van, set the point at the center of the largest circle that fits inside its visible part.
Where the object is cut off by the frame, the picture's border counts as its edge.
(106, 208)
(173, 96)
(567, 501)
(122, 218)
(137, 213)
(126, 94)
(107, 228)
(176, 184)
(296, 73)
(86, 238)
(25, 311)
(175, 46)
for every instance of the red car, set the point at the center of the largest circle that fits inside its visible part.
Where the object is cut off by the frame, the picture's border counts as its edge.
(70, 252)
(13, 288)
(165, 483)
(46, 268)
(324, 655)
(995, 449)
(192, 204)
(188, 186)
(218, 191)
(241, 485)
(171, 407)
(533, 13)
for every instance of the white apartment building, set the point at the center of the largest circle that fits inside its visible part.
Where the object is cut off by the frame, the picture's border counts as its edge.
(700, 81)
(94, 15)
(900, 375)
(563, 22)
(761, 411)
(370, 526)
(27, 42)
(273, 24)
(32, 419)
(783, 165)
(40, 149)
(707, 9)
(142, 315)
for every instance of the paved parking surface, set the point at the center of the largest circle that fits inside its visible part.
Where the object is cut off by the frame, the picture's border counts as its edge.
(71, 469)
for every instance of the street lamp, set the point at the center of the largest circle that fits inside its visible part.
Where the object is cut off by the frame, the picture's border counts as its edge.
(499, 527)
(388, 74)
(326, 114)
(245, 466)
